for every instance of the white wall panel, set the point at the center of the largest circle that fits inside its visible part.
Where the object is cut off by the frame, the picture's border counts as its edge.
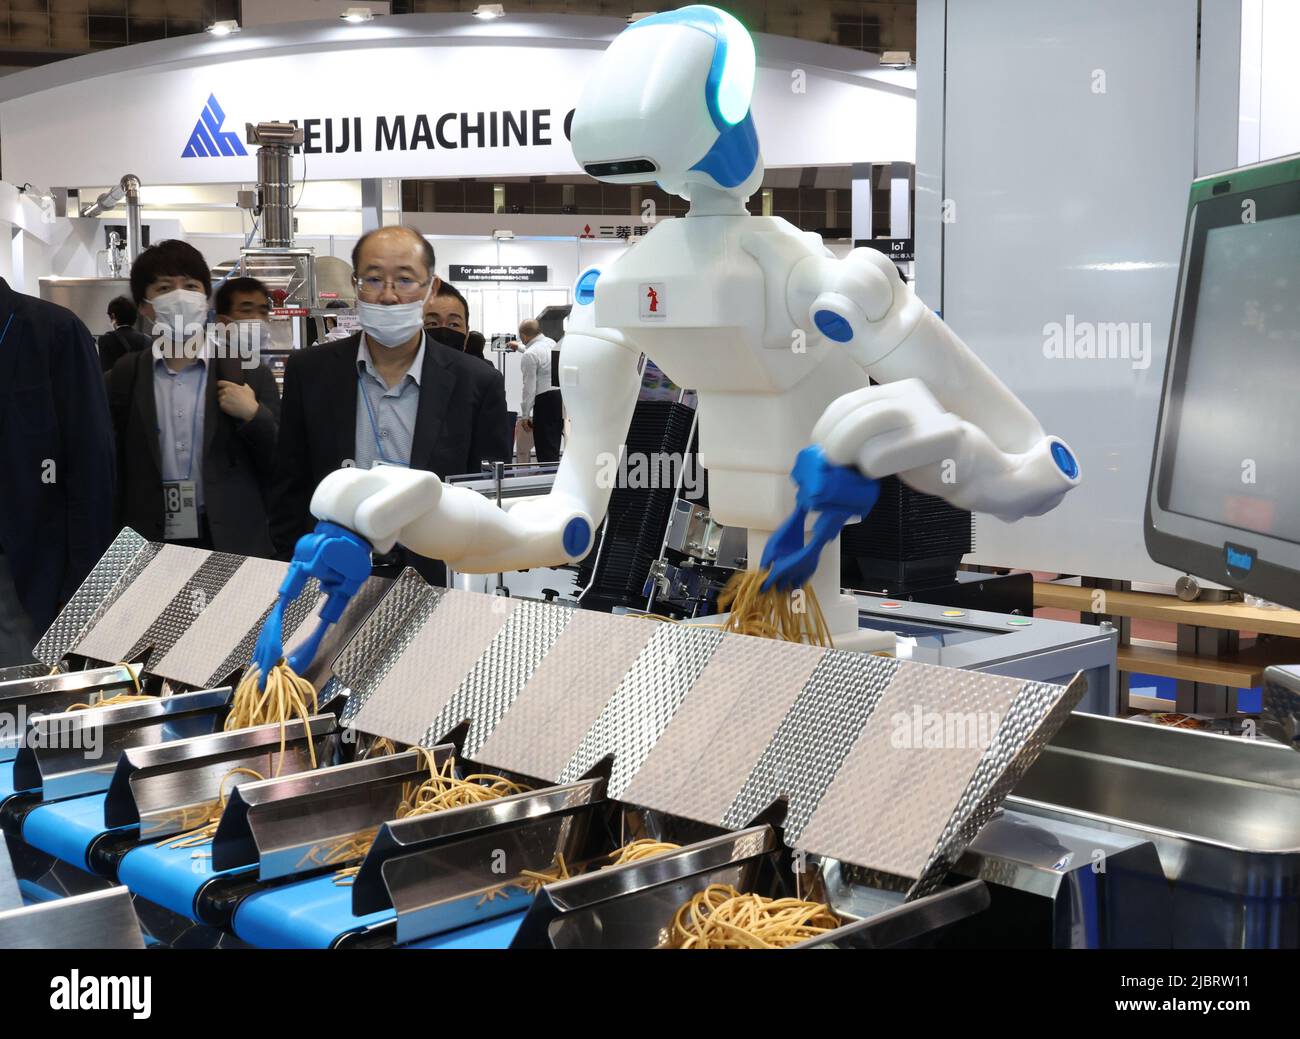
(1070, 143)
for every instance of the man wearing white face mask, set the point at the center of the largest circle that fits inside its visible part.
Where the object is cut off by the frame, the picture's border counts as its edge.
(385, 395)
(195, 416)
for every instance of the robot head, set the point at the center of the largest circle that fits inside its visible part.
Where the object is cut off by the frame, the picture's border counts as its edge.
(669, 102)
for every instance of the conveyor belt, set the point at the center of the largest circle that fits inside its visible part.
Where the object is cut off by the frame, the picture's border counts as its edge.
(170, 877)
(66, 829)
(495, 934)
(312, 914)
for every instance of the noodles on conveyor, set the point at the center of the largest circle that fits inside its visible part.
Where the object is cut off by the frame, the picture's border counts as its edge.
(286, 696)
(639, 850)
(720, 917)
(772, 614)
(442, 790)
(197, 838)
(120, 698)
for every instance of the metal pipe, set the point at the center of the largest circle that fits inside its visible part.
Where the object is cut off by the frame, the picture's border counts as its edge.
(127, 188)
(275, 191)
(131, 186)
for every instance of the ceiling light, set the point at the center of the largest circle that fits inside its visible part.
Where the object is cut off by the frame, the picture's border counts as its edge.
(357, 14)
(226, 28)
(487, 11)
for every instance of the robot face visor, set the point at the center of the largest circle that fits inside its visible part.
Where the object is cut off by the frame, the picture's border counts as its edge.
(640, 169)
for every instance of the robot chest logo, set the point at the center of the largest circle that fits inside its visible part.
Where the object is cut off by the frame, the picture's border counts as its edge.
(654, 301)
(207, 139)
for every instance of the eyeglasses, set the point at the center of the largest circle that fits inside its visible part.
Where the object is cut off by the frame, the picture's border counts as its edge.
(403, 286)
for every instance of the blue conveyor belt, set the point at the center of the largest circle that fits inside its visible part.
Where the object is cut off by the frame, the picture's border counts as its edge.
(65, 829)
(311, 914)
(169, 877)
(494, 934)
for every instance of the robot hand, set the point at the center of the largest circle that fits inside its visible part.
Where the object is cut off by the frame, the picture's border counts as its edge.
(900, 428)
(376, 503)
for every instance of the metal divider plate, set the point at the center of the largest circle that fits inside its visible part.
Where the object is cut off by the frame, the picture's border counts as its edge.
(709, 726)
(216, 632)
(112, 635)
(910, 764)
(709, 748)
(382, 639)
(496, 680)
(813, 738)
(430, 668)
(644, 703)
(108, 578)
(566, 693)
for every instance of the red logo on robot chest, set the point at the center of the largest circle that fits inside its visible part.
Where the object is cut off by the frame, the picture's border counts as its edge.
(654, 302)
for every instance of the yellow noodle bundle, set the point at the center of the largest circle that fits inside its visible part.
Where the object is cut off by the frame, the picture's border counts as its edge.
(788, 616)
(286, 696)
(720, 917)
(640, 850)
(442, 790)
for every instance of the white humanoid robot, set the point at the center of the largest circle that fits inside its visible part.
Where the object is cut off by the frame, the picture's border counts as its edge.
(776, 335)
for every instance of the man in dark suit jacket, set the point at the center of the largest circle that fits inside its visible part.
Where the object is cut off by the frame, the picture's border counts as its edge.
(56, 466)
(236, 428)
(124, 338)
(385, 395)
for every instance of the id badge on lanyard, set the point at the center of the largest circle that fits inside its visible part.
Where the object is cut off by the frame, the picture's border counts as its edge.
(181, 497)
(180, 510)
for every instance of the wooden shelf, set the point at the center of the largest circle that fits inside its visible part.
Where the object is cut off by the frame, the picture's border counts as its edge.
(1242, 670)
(1229, 616)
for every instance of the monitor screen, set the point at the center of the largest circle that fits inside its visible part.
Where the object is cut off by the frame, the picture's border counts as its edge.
(1238, 426)
(1223, 502)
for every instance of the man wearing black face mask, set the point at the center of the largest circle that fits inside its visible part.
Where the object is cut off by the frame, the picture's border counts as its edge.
(388, 395)
(446, 316)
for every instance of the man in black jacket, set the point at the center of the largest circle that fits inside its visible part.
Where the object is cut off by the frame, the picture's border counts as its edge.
(195, 415)
(124, 338)
(56, 466)
(387, 395)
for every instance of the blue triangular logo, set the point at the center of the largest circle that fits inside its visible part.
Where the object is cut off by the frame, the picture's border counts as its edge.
(208, 139)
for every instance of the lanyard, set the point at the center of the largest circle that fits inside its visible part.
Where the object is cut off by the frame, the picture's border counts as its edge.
(374, 428)
(5, 332)
(194, 427)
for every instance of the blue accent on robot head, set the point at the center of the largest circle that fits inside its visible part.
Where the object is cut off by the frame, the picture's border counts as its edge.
(585, 291)
(731, 159)
(1064, 460)
(832, 326)
(577, 536)
(733, 156)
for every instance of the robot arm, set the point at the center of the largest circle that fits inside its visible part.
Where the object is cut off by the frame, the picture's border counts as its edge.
(941, 420)
(387, 504)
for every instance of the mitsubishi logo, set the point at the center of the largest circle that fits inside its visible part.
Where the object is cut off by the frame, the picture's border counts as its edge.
(208, 139)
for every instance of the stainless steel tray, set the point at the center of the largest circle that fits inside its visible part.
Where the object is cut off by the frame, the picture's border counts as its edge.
(20, 698)
(100, 920)
(171, 787)
(1223, 813)
(295, 824)
(75, 753)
